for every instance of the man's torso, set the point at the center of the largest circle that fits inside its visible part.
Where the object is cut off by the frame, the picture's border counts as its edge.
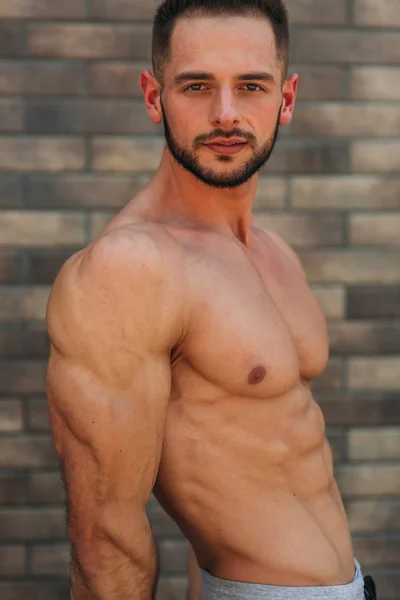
(246, 470)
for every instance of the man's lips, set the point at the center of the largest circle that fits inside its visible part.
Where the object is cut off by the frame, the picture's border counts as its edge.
(226, 141)
(227, 146)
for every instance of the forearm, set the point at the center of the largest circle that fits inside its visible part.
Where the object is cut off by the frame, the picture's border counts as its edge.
(115, 577)
(194, 591)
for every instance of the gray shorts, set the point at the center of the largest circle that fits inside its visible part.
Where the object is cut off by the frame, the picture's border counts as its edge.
(224, 589)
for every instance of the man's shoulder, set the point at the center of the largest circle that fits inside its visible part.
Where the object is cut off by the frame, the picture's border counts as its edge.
(123, 254)
(130, 270)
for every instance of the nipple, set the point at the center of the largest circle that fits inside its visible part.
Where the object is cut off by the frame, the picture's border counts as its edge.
(257, 375)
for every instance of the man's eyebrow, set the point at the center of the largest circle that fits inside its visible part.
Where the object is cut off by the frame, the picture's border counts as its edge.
(200, 76)
(257, 77)
(194, 76)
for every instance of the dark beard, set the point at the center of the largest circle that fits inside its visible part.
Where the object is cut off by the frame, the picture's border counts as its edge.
(190, 162)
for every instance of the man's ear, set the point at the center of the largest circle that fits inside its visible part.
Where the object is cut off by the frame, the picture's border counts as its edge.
(289, 98)
(152, 96)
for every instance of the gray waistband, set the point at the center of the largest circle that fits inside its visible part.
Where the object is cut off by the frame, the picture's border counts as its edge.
(215, 588)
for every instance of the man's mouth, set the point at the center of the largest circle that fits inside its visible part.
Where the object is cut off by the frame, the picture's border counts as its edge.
(227, 146)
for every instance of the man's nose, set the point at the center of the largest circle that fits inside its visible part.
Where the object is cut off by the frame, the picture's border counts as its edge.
(225, 112)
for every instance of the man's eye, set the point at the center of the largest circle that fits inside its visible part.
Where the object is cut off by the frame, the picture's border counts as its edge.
(253, 87)
(195, 87)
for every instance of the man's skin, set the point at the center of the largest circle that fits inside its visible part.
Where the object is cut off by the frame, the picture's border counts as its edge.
(184, 339)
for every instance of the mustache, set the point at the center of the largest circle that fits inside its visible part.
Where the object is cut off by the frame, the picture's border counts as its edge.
(219, 133)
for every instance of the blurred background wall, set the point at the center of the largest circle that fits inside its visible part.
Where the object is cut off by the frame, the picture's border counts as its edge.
(75, 146)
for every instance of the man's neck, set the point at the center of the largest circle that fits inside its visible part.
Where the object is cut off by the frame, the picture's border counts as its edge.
(185, 199)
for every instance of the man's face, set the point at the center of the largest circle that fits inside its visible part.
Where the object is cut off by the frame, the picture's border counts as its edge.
(222, 98)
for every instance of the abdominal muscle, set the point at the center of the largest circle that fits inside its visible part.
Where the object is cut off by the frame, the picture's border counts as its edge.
(250, 483)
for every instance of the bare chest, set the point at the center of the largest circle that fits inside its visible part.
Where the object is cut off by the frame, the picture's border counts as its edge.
(255, 327)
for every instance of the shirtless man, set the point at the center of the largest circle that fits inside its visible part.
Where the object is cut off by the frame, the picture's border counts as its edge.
(184, 339)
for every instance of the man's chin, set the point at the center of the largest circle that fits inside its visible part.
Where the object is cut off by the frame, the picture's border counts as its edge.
(223, 180)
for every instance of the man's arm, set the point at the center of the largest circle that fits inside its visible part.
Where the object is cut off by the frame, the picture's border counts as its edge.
(111, 319)
(195, 591)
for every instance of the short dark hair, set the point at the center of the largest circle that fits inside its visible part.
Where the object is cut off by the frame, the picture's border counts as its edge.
(170, 11)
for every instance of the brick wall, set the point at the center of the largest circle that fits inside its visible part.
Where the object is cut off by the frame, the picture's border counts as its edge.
(76, 144)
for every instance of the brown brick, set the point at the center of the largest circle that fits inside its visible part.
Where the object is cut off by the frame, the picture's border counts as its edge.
(331, 300)
(34, 591)
(345, 193)
(374, 444)
(51, 560)
(35, 303)
(343, 120)
(305, 230)
(37, 341)
(10, 267)
(320, 83)
(42, 9)
(12, 488)
(23, 303)
(30, 524)
(387, 582)
(46, 488)
(11, 303)
(354, 267)
(124, 10)
(27, 452)
(88, 191)
(337, 439)
(161, 523)
(368, 516)
(172, 588)
(301, 157)
(355, 337)
(371, 480)
(345, 409)
(374, 373)
(376, 156)
(375, 230)
(12, 561)
(10, 341)
(350, 47)
(371, 14)
(10, 191)
(317, 12)
(38, 415)
(11, 116)
(373, 302)
(11, 418)
(41, 154)
(375, 83)
(116, 79)
(39, 78)
(332, 376)
(378, 550)
(90, 41)
(44, 266)
(88, 116)
(22, 378)
(34, 228)
(174, 556)
(11, 38)
(126, 155)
